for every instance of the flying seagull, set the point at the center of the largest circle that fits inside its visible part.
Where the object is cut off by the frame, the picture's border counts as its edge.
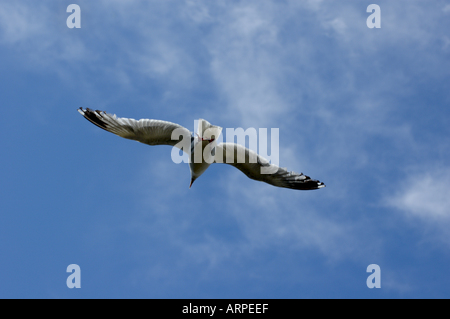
(157, 132)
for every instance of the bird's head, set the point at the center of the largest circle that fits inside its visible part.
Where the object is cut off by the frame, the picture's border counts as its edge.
(208, 132)
(197, 169)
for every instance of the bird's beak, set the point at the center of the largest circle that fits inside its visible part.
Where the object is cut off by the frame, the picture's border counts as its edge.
(191, 183)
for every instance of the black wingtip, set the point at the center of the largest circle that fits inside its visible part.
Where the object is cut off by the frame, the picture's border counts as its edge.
(94, 117)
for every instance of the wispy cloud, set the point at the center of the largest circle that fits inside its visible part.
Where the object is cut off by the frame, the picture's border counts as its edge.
(425, 195)
(423, 198)
(19, 22)
(245, 64)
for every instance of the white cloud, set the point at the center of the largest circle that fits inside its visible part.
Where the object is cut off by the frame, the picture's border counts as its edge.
(338, 25)
(19, 22)
(198, 12)
(34, 31)
(425, 194)
(245, 65)
(424, 200)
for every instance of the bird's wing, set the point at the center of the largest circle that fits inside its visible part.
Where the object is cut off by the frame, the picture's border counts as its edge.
(251, 164)
(151, 132)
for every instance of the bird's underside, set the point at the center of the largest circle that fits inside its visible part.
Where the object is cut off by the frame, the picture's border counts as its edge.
(156, 132)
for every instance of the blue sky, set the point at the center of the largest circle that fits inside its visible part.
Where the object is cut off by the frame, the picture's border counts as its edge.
(364, 110)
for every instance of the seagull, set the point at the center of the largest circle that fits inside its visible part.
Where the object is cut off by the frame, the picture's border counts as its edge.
(157, 132)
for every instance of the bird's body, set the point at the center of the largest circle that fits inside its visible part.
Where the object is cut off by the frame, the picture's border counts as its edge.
(202, 150)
